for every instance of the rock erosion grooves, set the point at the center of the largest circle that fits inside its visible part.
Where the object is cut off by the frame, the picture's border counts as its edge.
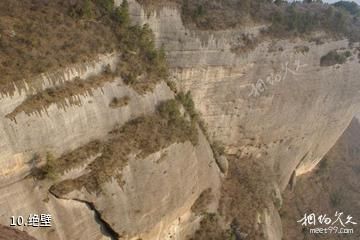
(131, 146)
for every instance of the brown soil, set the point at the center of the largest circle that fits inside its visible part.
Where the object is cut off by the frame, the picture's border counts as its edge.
(333, 186)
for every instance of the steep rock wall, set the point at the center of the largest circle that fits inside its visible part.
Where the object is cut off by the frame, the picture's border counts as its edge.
(295, 115)
(58, 129)
(159, 191)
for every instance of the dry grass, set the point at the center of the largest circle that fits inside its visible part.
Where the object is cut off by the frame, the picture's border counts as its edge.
(119, 102)
(39, 36)
(334, 186)
(62, 96)
(202, 202)
(211, 229)
(144, 136)
(245, 191)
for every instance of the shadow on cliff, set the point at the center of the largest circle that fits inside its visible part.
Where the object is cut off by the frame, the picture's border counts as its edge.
(333, 186)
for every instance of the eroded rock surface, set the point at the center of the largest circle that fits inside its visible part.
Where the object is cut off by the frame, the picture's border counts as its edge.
(332, 187)
(275, 108)
(7, 233)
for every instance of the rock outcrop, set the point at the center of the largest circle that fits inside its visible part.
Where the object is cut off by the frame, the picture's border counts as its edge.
(332, 187)
(274, 107)
(274, 103)
(7, 233)
(297, 103)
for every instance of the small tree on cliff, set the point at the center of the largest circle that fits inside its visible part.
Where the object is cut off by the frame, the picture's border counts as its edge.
(122, 13)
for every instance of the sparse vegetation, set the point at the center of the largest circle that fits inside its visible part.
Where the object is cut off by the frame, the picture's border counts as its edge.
(334, 57)
(210, 228)
(218, 148)
(144, 135)
(54, 34)
(201, 204)
(119, 102)
(172, 86)
(63, 95)
(188, 103)
(55, 167)
(286, 19)
(39, 36)
(50, 170)
(301, 49)
(246, 190)
(323, 166)
(142, 65)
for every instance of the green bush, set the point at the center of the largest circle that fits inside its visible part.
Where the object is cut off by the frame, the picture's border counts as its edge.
(170, 110)
(333, 57)
(50, 169)
(121, 14)
(188, 103)
(87, 10)
(107, 5)
(347, 54)
(141, 58)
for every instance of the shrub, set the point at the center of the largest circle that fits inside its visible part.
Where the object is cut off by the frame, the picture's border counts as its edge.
(347, 54)
(170, 110)
(172, 85)
(143, 64)
(351, 7)
(121, 14)
(218, 148)
(107, 5)
(87, 9)
(50, 168)
(323, 166)
(332, 58)
(119, 102)
(188, 103)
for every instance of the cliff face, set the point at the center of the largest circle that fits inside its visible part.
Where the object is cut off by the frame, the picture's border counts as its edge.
(275, 103)
(332, 187)
(116, 171)
(299, 105)
(156, 192)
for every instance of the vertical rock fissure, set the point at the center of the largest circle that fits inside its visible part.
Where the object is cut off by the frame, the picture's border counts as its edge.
(105, 227)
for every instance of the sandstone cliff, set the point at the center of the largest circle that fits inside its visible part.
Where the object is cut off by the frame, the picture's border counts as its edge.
(332, 187)
(102, 159)
(274, 103)
(8, 233)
